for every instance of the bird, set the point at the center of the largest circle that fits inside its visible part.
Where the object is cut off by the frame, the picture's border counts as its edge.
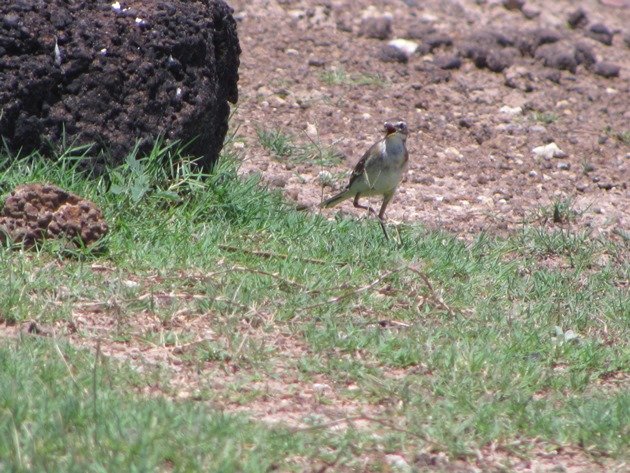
(379, 171)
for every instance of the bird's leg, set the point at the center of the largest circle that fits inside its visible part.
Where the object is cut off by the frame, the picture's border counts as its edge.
(381, 213)
(359, 206)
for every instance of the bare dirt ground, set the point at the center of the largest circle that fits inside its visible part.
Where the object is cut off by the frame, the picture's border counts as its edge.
(308, 65)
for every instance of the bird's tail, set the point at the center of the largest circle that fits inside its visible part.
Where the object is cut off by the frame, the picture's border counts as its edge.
(335, 199)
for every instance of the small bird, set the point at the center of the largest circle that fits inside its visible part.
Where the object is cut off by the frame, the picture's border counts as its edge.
(379, 171)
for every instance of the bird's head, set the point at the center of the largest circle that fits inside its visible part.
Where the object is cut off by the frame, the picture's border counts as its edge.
(396, 126)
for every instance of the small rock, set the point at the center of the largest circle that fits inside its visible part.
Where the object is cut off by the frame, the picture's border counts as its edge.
(465, 122)
(507, 110)
(577, 19)
(316, 62)
(606, 185)
(450, 61)
(499, 59)
(564, 166)
(278, 181)
(606, 69)
(530, 12)
(549, 151)
(532, 173)
(389, 53)
(513, 5)
(420, 31)
(397, 462)
(436, 40)
(558, 56)
(531, 40)
(519, 77)
(584, 54)
(378, 27)
(581, 187)
(601, 33)
(405, 45)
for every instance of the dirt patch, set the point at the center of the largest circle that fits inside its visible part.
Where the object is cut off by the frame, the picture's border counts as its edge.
(317, 72)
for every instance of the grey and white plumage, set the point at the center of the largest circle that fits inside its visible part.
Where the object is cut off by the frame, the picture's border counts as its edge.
(379, 171)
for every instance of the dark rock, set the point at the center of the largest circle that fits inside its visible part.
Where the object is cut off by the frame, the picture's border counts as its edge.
(450, 61)
(115, 80)
(420, 31)
(513, 5)
(465, 122)
(584, 54)
(577, 19)
(378, 27)
(389, 53)
(606, 69)
(436, 40)
(558, 56)
(34, 212)
(601, 33)
(433, 74)
(528, 42)
(553, 76)
(500, 59)
(519, 78)
(530, 12)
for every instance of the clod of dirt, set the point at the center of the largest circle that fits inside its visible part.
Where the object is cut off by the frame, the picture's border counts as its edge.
(378, 27)
(34, 212)
(111, 76)
(392, 53)
(577, 19)
(601, 33)
(606, 69)
(558, 56)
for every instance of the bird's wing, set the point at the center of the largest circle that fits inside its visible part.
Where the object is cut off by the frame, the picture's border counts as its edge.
(359, 169)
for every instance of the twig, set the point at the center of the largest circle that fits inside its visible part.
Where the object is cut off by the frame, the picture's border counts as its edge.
(353, 292)
(349, 419)
(269, 254)
(437, 300)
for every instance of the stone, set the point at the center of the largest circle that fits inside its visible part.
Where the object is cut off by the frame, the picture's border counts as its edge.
(584, 54)
(606, 69)
(406, 46)
(577, 19)
(513, 5)
(549, 151)
(389, 53)
(518, 77)
(436, 40)
(377, 27)
(101, 77)
(34, 212)
(601, 33)
(449, 61)
(558, 56)
(420, 31)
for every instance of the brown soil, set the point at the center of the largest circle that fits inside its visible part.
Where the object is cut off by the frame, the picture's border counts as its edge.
(472, 166)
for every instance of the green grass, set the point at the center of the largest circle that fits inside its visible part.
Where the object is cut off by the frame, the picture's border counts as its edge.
(339, 76)
(283, 148)
(545, 117)
(446, 345)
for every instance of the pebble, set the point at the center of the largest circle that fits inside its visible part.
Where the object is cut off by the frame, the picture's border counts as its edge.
(532, 173)
(606, 69)
(581, 187)
(389, 53)
(584, 54)
(450, 61)
(316, 62)
(564, 166)
(577, 19)
(405, 45)
(530, 12)
(557, 56)
(507, 110)
(513, 5)
(377, 27)
(601, 33)
(549, 151)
